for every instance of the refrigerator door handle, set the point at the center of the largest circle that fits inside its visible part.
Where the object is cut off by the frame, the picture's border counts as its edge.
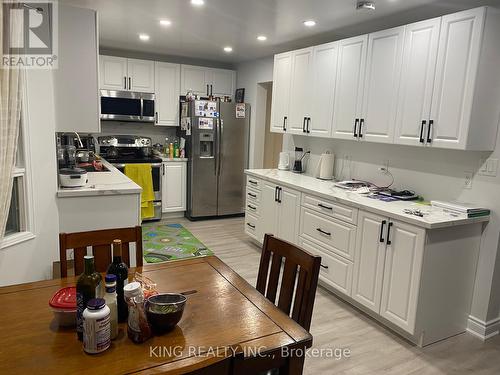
(221, 136)
(216, 146)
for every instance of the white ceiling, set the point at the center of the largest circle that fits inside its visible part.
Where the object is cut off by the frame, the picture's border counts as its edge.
(202, 32)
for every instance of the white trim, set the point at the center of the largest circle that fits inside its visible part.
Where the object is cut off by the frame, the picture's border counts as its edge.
(15, 239)
(481, 329)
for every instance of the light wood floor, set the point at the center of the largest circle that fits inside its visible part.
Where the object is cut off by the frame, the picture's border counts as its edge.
(374, 349)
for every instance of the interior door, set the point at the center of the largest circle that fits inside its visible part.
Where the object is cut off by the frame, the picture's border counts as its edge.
(383, 74)
(233, 146)
(268, 210)
(457, 63)
(300, 92)
(403, 263)
(113, 73)
(324, 75)
(289, 215)
(349, 86)
(142, 75)
(369, 260)
(167, 88)
(194, 78)
(281, 91)
(417, 80)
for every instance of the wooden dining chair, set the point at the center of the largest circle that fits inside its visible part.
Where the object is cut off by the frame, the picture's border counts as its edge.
(100, 241)
(301, 291)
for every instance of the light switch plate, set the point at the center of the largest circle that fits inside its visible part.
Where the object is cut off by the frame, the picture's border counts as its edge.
(489, 167)
(468, 180)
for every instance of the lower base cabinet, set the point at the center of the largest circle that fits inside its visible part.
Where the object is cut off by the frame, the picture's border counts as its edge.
(174, 181)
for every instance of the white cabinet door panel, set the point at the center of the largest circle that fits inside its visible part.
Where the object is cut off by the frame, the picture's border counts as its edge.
(268, 210)
(174, 187)
(417, 81)
(167, 87)
(383, 74)
(142, 75)
(300, 91)
(324, 75)
(281, 91)
(113, 73)
(457, 64)
(194, 78)
(369, 260)
(403, 263)
(289, 215)
(223, 82)
(349, 85)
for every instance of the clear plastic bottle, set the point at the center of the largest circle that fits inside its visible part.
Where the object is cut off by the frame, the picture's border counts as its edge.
(138, 329)
(110, 298)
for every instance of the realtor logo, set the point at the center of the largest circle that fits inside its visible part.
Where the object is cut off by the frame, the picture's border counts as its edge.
(29, 34)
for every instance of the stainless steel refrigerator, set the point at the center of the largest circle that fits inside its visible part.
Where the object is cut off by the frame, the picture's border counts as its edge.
(217, 135)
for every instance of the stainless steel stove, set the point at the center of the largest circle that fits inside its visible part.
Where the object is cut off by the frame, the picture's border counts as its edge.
(130, 149)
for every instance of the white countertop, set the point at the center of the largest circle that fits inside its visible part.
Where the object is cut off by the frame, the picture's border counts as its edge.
(168, 160)
(103, 183)
(433, 217)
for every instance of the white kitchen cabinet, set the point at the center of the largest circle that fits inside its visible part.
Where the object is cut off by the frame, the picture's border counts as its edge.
(118, 73)
(417, 81)
(167, 90)
(174, 186)
(141, 75)
(300, 91)
(204, 81)
(76, 80)
(382, 78)
(282, 71)
(222, 82)
(369, 260)
(402, 270)
(323, 78)
(349, 87)
(268, 210)
(113, 73)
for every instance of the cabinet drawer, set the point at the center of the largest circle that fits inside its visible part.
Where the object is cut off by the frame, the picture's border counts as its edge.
(333, 234)
(252, 206)
(335, 271)
(336, 210)
(254, 183)
(251, 226)
(253, 195)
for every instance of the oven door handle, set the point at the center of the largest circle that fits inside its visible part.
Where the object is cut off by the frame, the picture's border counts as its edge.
(154, 165)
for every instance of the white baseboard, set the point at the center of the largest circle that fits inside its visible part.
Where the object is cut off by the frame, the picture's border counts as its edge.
(172, 215)
(483, 330)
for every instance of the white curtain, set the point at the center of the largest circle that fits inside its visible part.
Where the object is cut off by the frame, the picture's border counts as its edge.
(10, 115)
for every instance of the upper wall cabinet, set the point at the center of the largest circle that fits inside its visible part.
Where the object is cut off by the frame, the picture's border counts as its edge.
(119, 73)
(434, 83)
(76, 80)
(207, 81)
(167, 90)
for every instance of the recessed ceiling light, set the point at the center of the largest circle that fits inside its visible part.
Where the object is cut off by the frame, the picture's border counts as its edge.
(262, 38)
(365, 5)
(165, 22)
(309, 23)
(144, 37)
(228, 49)
(197, 2)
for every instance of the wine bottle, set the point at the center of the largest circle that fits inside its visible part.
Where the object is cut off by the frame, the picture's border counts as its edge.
(87, 287)
(120, 269)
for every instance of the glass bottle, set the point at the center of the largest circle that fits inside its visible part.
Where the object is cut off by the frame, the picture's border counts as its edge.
(138, 329)
(120, 270)
(87, 287)
(110, 298)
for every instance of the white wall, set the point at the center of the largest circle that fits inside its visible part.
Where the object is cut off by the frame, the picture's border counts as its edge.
(248, 76)
(32, 260)
(435, 174)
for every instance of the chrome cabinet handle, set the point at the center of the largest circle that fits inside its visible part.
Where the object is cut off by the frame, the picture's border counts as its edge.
(156, 117)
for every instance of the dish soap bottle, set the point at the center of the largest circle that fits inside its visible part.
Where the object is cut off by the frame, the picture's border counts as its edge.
(87, 287)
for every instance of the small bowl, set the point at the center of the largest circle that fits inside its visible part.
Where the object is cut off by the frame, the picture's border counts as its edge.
(164, 311)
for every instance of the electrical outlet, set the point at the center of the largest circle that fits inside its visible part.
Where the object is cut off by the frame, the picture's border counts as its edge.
(488, 167)
(468, 180)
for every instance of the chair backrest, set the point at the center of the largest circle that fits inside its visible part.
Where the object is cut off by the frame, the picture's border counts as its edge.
(297, 261)
(100, 241)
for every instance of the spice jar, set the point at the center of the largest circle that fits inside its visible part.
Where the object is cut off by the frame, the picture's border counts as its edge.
(138, 329)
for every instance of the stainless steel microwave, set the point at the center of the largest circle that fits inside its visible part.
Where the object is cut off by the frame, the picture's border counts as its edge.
(127, 106)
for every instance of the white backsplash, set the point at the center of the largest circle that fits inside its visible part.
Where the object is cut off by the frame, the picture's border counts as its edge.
(146, 129)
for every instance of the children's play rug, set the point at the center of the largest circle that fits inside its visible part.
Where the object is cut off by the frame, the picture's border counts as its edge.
(164, 242)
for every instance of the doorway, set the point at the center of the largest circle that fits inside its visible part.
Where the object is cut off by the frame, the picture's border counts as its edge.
(273, 142)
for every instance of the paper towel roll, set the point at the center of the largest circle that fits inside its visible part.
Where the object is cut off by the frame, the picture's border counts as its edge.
(325, 166)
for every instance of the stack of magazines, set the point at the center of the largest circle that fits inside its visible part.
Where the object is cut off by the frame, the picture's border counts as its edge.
(460, 208)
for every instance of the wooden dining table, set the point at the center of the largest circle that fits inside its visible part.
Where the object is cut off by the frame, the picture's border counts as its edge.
(227, 327)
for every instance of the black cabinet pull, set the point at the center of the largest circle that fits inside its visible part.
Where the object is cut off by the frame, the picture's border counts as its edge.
(388, 234)
(253, 182)
(211, 90)
(382, 231)
(429, 139)
(125, 83)
(324, 232)
(422, 140)
(284, 123)
(323, 266)
(252, 195)
(129, 83)
(361, 122)
(308, 125)
(356, 122)
(279, 194)
(251, 207)
(276, 194)
(251, 225)
(325, 207)
(304, 125)
(207, 91)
